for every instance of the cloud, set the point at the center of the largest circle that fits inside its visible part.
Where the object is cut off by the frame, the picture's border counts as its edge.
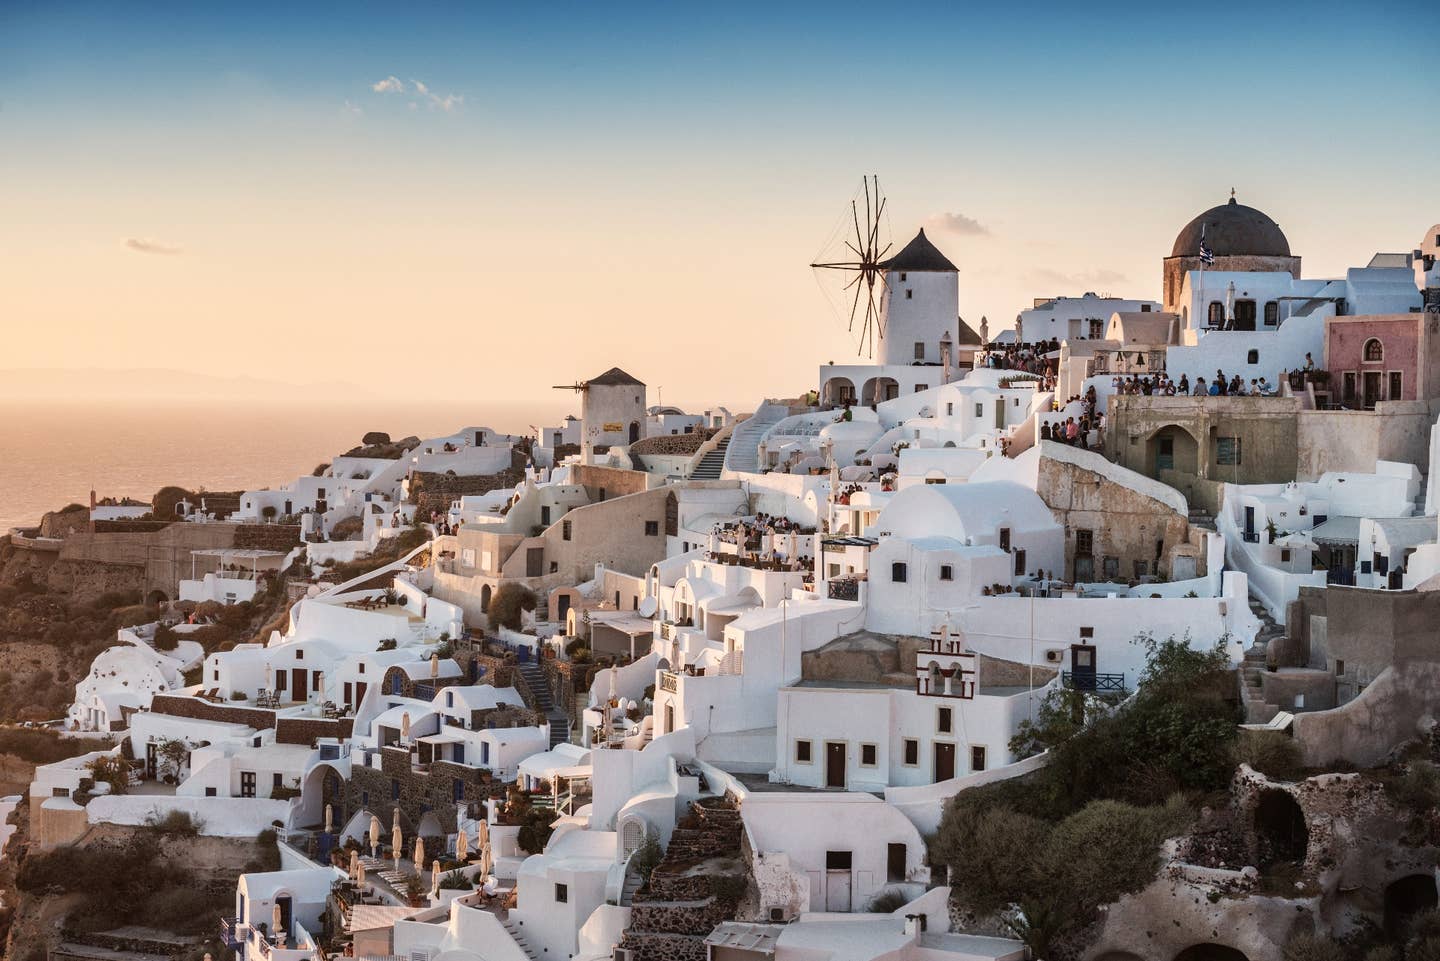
(418, 92)
(958, 224)
(352, 109)
(1100, 277)
(150, 247)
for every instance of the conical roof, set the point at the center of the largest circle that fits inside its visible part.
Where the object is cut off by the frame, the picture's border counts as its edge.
(920, 255)
(615, 376)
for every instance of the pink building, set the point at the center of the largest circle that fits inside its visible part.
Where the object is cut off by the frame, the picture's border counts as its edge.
(1383, 357)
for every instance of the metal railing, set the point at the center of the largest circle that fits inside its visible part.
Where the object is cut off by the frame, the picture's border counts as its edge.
(669, 681)
(1098, 683)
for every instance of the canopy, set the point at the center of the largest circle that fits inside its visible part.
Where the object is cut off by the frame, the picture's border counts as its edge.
(1337, 530)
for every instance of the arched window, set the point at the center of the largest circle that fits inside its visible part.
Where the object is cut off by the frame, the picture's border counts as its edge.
(1374, 351)
(1217, 314)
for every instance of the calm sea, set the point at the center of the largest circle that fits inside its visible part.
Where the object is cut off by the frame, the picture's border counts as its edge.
(53, 454)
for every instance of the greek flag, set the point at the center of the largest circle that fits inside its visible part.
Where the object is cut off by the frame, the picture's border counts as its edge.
(1207, 256)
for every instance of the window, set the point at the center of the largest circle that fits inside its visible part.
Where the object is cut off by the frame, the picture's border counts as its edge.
(1347, 392)
(457, 790)
(361, 668)
(210, 792)
(467, 556)
(837, 860)
(1284, 555)
(545, 514)
(1374, 351)
(1141, 569)
(216, 675)
(1097, 328)
(949, 410)
(1339, 667)
(554, 567)
(394, 790)
(897, 572)
(909, 294)
(282, 680)
(1252, 357)
(652, 528)
(920, 389)
(977, 758)
(1084, 542)
(300, 654)
(802, 752)
(1217, 314)
(277, 780)
(979, 410)
(944, 720)
(947, 573)
(869, 755)
(602, 493)
(919, 350)
(1227, 450)
(565, 530)
(912, 752)
(903, 275)
(562, 893)
(1272, 313)
(1019, 562)
(1004, 538)
(1396, 383)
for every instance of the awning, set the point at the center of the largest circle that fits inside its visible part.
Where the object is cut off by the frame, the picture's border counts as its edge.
(1337, 530)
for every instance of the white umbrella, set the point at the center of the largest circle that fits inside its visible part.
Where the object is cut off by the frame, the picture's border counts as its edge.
(419, 854)
(277, 924)
(482, 841)
(405, 726)
(269, 677)
(329, 820)
(355, 863)
(462, 845)
(435, 879)
(434, 666)
(395, 820)
(397, 842)
(374, 833)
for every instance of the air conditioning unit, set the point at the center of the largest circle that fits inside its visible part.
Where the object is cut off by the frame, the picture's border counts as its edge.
(1054, 655)
(778, 913)
(624, 954)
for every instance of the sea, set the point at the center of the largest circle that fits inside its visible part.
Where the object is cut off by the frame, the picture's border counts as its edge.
(54, 454)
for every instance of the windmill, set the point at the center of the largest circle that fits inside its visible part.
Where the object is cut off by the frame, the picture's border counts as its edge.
(860, 261)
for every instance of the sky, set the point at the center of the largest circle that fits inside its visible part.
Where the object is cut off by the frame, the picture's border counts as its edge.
(487, 200)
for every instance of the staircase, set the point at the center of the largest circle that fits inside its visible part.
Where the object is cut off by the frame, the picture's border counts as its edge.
(745, 458)
(539, 686)
(1202, 519)
(1252, 668)
(633, 881)
(712, 463)
(512, 928)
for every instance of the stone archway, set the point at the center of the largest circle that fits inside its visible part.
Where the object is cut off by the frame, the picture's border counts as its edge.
(1280, 831)
(1211, 952)
(1406, 898)
(879, 389)
(323, 784)
(157, 598)
(837, 391)
(1172, 448)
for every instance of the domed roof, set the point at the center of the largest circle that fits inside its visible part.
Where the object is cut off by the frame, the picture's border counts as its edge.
(1230, 230)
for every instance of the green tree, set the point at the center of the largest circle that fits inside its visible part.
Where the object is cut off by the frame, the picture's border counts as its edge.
(507, 603)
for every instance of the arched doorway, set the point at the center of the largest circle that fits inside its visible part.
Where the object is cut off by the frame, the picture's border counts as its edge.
(1280, 831)
(1210, 952)
(485, 599)
(157, 598)
(1406, 898)
(878, 390)
(837, 392)
(634, 431)
(1172, 448)
(323, 785)
(632, 835)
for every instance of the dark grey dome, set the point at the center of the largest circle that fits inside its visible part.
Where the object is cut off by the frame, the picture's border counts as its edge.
(1232, 230)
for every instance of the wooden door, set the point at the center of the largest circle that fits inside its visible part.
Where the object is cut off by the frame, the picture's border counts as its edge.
(944, 761)
(300, 683)
(247, 783)
(835, 764)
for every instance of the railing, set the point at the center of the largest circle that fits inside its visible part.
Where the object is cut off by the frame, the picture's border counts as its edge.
(669, 681)
(1098, 683)
(231, 933)
(667, 631)
(1250, 537)
(847, 589)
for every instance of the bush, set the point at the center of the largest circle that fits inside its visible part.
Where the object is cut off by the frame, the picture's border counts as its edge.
(1270, 752)
(166, 639)
(887, 901)
(1419, 787)
(1311, 947)
(508, 603)
(175, 823)
(44, 746)
(112, 770)
(647, 855)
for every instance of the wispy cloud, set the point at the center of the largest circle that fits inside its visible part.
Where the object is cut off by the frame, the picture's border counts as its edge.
(1100, 277)
(143, 246)
(351, 109)
(958, 224)
(418, 92)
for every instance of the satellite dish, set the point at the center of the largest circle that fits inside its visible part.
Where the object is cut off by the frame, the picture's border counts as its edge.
(647, 607)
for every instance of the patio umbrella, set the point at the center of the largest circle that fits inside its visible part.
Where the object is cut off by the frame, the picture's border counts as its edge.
(397, 842)
(360, 875)
(434, 666)
(405, 726)
(395, 821)
(482, 841)
(277, 924)
(419, 854)
(355, 863)
(329, 820)
(435, 879)
(269, 677)
(374, 833)
(462, 845)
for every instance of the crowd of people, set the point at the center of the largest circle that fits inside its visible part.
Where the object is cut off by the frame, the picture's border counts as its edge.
(1026, 357)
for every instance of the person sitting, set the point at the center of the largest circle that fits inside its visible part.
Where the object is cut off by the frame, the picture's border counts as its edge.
(1200, 390)
(1215, 388)
(1265, 389)
(1184, 383)
(1045, 430)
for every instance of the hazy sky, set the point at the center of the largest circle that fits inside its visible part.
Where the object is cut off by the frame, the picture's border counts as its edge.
(495, 199)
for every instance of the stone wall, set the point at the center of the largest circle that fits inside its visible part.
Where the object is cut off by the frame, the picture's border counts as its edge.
(422, 789)
(267, 537)
(176, 705)
(306, 730)
(431, 491)
(614, 481)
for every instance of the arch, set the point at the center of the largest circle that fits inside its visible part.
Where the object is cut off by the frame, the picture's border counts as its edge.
(634, 431)
(879, 389)
(1280, 831)
(485, 599)
(1407, 897)
(836, 391)
(323, 784)
(157, 598)
(1172, 447)
(430, 826)
(1374, 351)
(1211, 952)
(632, 835)
(663, 664)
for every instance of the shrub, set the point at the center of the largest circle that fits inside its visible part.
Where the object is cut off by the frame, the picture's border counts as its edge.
(43, 746)
(455, 881)
(239, 696)
(1270, 752)
(647, 855)
(1419, 787)
(175, 823)
(508, 603)
(1311, 947)
(113, 770)
(166, 639)
(887, 901)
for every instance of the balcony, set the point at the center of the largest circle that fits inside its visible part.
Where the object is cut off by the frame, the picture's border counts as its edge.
(1094, 683)
(233, 932)
(669, 681)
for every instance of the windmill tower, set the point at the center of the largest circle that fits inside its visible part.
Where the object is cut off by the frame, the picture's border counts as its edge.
(612, 411)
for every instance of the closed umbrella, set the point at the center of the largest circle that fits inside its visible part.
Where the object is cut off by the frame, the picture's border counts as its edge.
(419, 854)
(329, 820)
(482, 841)
(269, 677)
(397, 843)
(277, 924)
(462, 845)
(374, 833)
(435, 879)
(360, 875)
(434, 666)
(405, 726)
(355, 863)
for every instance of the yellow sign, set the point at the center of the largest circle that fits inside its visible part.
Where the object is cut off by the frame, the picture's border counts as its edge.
(612, 428)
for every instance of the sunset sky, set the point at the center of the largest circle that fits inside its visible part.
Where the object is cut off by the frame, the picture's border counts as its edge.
(490, 200)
